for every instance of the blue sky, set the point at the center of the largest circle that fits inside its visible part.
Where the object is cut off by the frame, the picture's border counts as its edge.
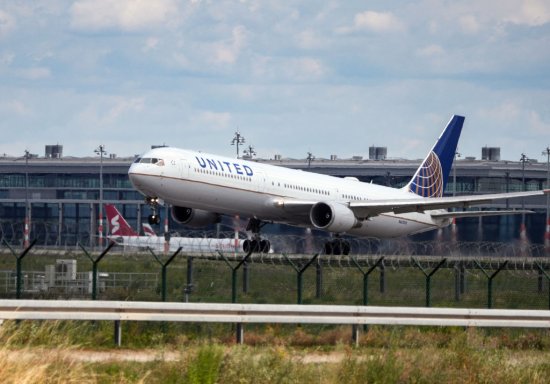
(328, 77)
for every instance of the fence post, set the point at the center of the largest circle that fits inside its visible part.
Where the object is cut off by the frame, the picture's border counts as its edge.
(543, 272)
(462, 278)
(19, 266)
(382, 278)
(234, 270)
(189, 285)
(118, 333)
(457, 281)
(365, 289)
(239, 336)
(300, 271)
(164, 267)
(366, 277)
(95, 263)
(490, 281)
(355, 334)
(428, 278)
(246, 277)
(319, 279)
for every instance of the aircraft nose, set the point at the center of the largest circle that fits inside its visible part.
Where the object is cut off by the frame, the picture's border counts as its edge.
(134, 175)
(142, 180)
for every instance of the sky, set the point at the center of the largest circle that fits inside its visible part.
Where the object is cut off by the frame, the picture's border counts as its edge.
(326, 77)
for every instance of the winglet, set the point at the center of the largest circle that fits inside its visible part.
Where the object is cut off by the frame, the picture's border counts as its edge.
(118, 226)
(431, 177)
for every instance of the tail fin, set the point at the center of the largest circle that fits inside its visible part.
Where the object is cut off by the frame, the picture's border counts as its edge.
(430, 178)
(148, 230)
(118, 226)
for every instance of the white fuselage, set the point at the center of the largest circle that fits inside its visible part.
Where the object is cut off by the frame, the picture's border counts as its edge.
(249, 189)
(187, 244)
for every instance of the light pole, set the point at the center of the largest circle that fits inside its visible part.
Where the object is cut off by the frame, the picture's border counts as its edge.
(453, 225)
(507, 178)
(100, 151)
(547, 233)
(524, 159)
(27, 208)
(457, 155)
(250, 152)
(238, 140)
(309, 158)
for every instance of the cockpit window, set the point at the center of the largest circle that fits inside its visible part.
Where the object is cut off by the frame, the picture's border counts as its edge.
(137, 160)
(153, 160)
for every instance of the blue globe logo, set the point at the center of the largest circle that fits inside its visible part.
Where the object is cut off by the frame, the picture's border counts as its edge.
(428, 181)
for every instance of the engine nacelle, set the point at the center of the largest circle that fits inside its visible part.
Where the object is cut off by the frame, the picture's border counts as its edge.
(194, 217)
(332, 217)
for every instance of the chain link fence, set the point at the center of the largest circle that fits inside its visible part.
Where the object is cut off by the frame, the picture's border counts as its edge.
(377, 272)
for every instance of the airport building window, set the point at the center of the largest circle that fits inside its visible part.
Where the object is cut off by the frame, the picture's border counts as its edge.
(84, 210)
(64, 180)
(12, 181)
(78, 195)
(130, 195)
(69, 210)
(110, 195)
(45, 211)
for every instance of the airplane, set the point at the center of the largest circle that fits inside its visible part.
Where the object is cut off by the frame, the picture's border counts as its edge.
(202, 187)
(147, 229)
(123, 234)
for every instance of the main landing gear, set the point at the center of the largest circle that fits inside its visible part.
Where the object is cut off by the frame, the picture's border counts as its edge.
(154, 217)
(256, 244)
(337, 246)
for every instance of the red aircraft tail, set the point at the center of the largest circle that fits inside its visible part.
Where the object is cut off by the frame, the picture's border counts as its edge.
(118, 226)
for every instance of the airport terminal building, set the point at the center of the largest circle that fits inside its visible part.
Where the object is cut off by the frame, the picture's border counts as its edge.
(64, 193)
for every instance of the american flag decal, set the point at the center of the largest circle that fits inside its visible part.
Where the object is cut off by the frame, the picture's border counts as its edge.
(428, 180)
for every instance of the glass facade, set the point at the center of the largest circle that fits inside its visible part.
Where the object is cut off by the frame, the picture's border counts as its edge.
(64, 195)
(63, 180)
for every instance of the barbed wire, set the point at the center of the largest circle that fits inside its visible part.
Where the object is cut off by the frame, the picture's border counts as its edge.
(68, 236)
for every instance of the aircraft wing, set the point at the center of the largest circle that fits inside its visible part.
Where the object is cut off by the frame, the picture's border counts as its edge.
(457, 215)
(364, 209)
(370, 208)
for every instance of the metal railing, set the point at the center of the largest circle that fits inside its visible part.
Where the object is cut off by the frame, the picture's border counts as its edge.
(119, 311)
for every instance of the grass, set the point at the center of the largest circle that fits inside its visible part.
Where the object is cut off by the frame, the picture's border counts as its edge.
(56, 352)
(43, 352)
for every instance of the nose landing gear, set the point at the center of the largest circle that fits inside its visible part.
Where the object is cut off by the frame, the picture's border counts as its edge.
(154, 217)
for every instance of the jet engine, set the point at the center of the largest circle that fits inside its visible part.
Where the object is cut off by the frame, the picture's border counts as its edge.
(332, 217)
(194, 217)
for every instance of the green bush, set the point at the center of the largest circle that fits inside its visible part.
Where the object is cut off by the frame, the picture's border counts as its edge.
(204, 368)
